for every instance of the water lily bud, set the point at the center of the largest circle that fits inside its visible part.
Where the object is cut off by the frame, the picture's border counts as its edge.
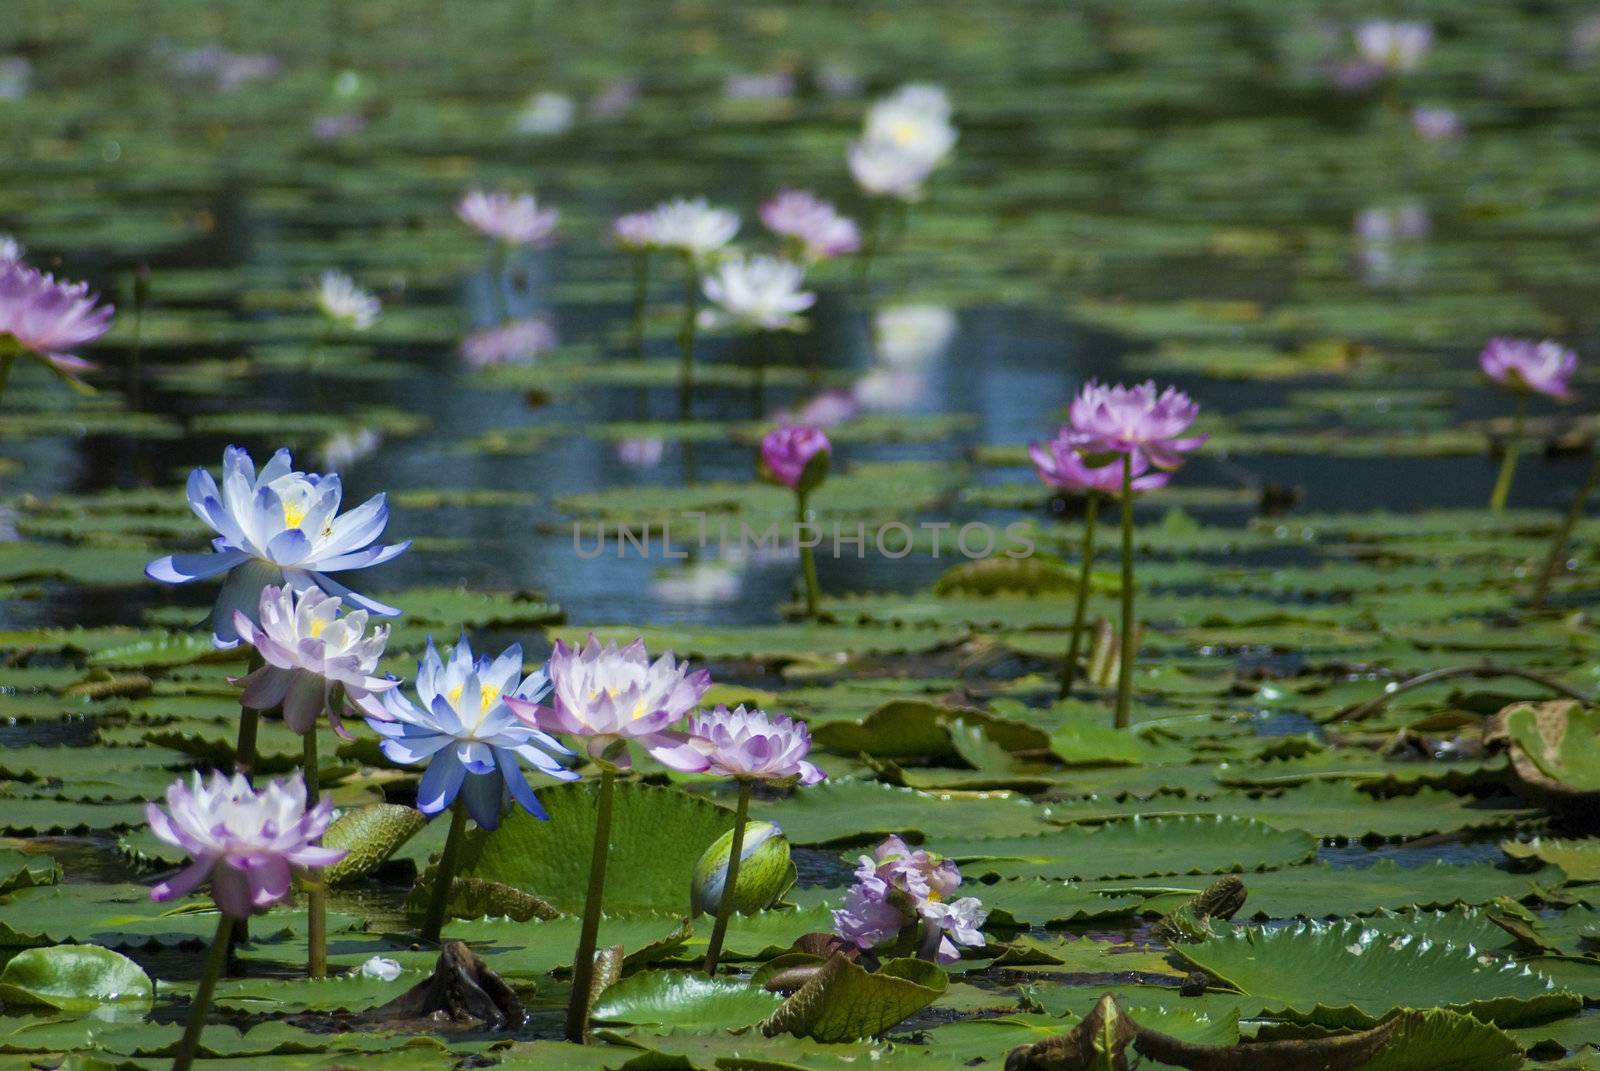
(763, 871)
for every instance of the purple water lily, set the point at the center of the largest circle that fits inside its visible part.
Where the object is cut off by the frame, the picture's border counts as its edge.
(753, 745)
(47, 318)
(246, 842)
(1136, 422)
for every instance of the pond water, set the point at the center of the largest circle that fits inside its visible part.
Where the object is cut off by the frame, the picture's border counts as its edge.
(1206, 195)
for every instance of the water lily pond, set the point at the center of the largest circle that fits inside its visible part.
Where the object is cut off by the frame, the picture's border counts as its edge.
(637, 535)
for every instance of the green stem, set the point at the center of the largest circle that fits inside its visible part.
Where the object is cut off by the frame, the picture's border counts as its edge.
(141, 292)
(731, 883)
(6, 361)
(445, 874)
(583, 964)
(641, 297)
(691, 309)
(808, 561)
(1508, 467)
(202, 996)
(244, 762)
(1125, 675)
(316, 888)
(500, 303)
(1558, 545)
(1069, 668)
(869, 243)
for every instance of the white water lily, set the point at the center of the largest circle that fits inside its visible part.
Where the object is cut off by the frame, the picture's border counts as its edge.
(915, 121)
(758, 293)
(882, 170)
(693, 227)
(909, 336)
(344, 303)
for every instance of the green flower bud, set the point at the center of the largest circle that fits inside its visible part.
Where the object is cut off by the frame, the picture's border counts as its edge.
(764, 871)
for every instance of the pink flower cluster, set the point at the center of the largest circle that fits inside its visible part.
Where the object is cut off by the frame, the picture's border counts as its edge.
(896, 888)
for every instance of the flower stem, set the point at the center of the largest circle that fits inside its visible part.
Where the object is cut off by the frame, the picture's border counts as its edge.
(691, 308)
(445, 874)
(1125, 674)
(244, 762)
(6, 361)
(1558, 545)
(316, 888)
(730, 883)
(1069, 668)
(583, 964)
(641, 296)
(808, 561)
(1508, 466)
(870, 241)
(500, 303)
(202, 996)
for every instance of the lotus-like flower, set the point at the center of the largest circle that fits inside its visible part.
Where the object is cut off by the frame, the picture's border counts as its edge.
(757, 294)
(46, 318)
(897, 887)
(813, 225)
(1393, 47)
(1060, 464)
(244, 841)
(515, 219)
(469, 735)
(915, 121)
(882, 170)
(278, 526)
(787, 450)
(1136, 422)
(517, 342)
(344, 303)
(909, 336)
(635, 231)
(309, 650)
(608, 694)
(693, 227)
(1522, 365)
(751, 745)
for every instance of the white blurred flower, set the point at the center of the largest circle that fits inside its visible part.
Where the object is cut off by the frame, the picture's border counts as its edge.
(694, 227)
(344, 303)
(698, 584)
(890, 390)
(912, 335)
(644, 452)
(1397, 47)
(16, 76)
(882, 170)
(516, 342)
(345, 448)
(915, 120)
(11, 250)
(758, 293)
(547, 114)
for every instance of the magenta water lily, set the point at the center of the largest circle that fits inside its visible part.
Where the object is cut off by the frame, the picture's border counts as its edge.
(315, 659)
(277, 526)
(47, 319)
(898, 888)
(798, 457)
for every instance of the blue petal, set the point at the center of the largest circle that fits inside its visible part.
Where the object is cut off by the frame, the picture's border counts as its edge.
(289, 547)
(485, 796)
(354, 599)
(361, 559)
(182, 568)
(441, 782)
(521, 791)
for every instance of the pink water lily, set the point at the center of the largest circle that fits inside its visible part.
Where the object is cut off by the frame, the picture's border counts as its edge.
(246, 842)
(609, 694)
(47, 318)
(1136, 422)
(309, 651)
(516, 219)
(753, 745)
(1524, 365)
(1060, 463)
(785, 452)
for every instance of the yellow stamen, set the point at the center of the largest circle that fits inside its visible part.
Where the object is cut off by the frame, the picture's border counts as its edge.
(293, 514)
(317, 625)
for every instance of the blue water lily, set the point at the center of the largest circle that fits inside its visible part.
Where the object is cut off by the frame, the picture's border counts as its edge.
(468, 736)
(276, 527)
